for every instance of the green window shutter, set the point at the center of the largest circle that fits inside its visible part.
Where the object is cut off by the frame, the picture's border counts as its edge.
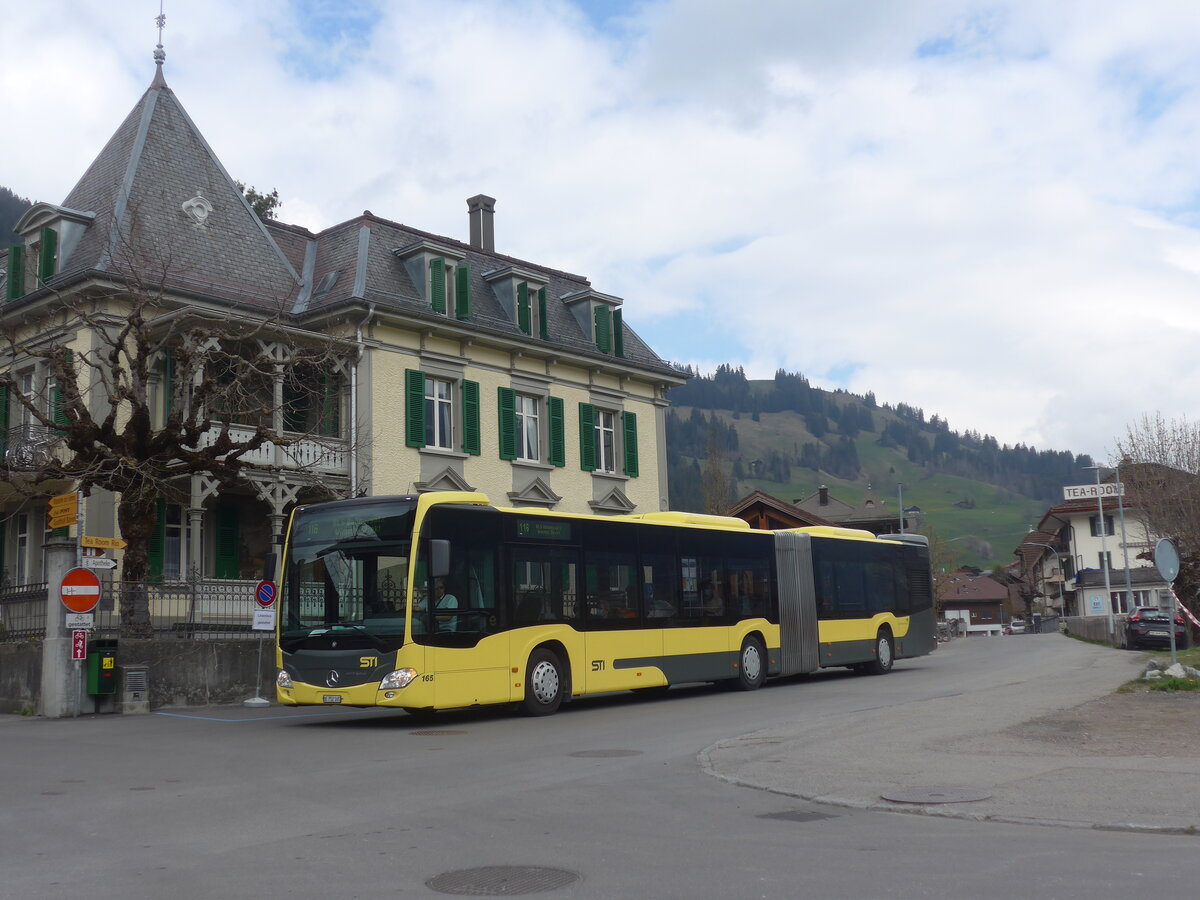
(414, 408)
(587, 437)
(16, 272)
(228, 542)
(462, 292)
(558, 437)
(48, 256)
(158, 541)
(543, 316)
(506, 403)
(437, 284)
(57, 412)
(603, 329)
(470, 396)
(618, 333)
(331, 406)
(629, 420)
(523, 320)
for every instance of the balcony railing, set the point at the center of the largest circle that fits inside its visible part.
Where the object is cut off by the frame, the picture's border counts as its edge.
(328, 455)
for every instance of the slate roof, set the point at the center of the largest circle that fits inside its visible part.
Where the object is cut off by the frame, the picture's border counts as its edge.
(157, 160)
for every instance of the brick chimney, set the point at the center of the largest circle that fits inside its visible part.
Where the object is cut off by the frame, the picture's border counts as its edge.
(823, 493)
(481, 208)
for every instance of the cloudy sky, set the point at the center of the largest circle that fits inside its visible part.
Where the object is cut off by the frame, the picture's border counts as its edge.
(990, 210)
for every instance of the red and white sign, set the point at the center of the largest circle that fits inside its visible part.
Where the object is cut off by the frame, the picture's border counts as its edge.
(80, 590)
(78, 645)
(265, 594)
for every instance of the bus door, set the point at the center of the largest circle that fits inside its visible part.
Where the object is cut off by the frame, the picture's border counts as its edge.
(622, 643)
(797, 604)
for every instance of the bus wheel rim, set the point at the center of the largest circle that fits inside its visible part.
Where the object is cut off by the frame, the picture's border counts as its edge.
(885, 651)
(751, 663)
(544, 681)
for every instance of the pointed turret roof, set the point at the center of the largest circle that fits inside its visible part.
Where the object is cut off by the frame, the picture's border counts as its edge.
(161, 197)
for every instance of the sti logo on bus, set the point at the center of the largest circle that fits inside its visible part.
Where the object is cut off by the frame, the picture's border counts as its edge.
(367, 662)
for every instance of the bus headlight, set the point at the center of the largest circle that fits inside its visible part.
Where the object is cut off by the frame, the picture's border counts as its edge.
(398, 679)
(283, 680)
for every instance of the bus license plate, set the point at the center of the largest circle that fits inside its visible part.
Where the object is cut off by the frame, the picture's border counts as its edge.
(332, 698)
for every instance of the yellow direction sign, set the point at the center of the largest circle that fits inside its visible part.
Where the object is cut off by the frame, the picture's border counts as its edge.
(63, 511)
(102, 542)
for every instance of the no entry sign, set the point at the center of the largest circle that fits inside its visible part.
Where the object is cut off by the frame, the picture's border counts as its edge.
(80, 590)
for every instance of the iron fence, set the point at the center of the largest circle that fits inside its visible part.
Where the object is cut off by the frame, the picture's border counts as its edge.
(196, 608)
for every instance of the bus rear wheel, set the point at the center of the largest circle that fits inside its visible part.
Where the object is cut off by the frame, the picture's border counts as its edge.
(752, 665)
(884, 656)
(543, 684)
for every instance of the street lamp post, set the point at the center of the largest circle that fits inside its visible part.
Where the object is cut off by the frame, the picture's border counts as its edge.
(1124, 540)
(1112, 628)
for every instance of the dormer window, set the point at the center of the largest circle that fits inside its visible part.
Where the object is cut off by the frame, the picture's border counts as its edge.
(440, 276)
(599, 315)
(49, 235)
(523, 295)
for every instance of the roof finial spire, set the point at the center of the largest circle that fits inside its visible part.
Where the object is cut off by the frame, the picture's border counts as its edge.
(160, 55)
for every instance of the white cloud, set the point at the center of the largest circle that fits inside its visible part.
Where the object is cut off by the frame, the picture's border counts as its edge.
(988, 210)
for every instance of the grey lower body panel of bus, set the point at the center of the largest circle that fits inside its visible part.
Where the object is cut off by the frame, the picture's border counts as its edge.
(798, 650)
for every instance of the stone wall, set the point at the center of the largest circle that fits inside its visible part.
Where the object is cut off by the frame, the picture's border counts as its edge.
(180, 673)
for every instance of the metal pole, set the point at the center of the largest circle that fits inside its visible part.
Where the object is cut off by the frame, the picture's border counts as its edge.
(1104, 558)
(900, 492)
(1124, 541)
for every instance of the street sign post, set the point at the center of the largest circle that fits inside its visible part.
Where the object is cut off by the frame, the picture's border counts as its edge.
(1166, 560)
(80, 590)
(98, 562)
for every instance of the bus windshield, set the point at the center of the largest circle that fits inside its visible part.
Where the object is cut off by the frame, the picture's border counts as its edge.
(346, 572)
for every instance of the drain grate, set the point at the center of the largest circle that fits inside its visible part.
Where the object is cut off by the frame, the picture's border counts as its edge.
(501, 881)
(795, 815)
(605, 754)
(937, 795)
(442, 732)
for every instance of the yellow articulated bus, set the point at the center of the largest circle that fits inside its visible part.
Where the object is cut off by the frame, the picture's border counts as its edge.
(442, 601)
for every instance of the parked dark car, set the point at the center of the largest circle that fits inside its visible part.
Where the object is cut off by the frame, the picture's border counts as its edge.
(1146, 626)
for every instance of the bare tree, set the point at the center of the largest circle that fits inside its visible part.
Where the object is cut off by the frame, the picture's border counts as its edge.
(136, 390)
(944, 558)
(1160, 467)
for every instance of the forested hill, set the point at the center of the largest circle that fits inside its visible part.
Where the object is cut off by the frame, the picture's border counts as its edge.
(786, 437)
(12, 208)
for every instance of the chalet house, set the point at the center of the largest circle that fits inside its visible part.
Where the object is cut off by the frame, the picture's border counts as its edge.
(976, 600)
(463, 368)
(763, 511)
(871, 515)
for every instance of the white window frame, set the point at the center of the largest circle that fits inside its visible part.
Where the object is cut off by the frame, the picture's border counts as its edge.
(439, 435)
(528, 427)
(23, 547)
(606, 458)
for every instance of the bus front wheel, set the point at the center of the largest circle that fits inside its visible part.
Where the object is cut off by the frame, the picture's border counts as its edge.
(543, 683)
(884, 657)
(752, 665)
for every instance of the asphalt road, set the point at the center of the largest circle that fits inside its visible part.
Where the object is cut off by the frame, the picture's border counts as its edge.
(613, 794)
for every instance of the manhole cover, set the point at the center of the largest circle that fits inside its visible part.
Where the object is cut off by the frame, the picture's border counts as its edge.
(795, 815)
(437, 732)
(501, 881)
(936, 795)
(605, 754)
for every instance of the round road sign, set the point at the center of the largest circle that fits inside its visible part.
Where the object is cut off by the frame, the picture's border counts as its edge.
(265, 593)
(1166, 560)
(80, 590)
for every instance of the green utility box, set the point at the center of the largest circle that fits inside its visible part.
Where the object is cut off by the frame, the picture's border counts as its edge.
(102, 667)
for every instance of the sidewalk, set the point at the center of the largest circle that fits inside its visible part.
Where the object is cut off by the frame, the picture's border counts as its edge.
(1120, 762)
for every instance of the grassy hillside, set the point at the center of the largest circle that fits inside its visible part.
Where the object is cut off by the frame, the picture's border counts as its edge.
(984, 522)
